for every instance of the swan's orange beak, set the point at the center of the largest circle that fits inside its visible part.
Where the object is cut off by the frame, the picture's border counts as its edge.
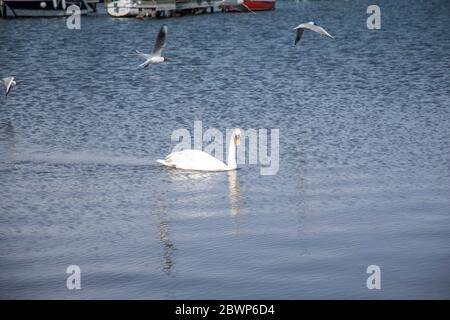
(237, 140)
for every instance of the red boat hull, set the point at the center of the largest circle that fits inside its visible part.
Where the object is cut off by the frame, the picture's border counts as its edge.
(260, 5)
(253, 5)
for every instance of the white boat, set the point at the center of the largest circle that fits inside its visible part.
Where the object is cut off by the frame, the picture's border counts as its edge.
(134, 8)
(122, 8)
(160, 8)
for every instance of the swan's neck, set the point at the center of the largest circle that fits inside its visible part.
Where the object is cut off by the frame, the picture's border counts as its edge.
(232, 154)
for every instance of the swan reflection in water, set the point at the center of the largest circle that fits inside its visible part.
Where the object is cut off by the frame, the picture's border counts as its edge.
(164, 237)
(234, 192)
(164, 233)
(179, 178)
(7, 140)
(212, 177)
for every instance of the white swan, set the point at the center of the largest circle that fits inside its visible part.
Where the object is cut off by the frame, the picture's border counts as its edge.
(202, 161)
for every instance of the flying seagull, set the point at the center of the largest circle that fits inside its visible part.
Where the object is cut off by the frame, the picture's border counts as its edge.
(155, 56)
(310, 26)
(9, 82)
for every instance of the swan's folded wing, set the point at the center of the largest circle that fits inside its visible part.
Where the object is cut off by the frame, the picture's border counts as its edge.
(193, 160)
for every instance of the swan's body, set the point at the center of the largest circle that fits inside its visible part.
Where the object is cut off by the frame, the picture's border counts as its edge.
(310, 26)
(202, 161)
(194, 160)
(156, 56)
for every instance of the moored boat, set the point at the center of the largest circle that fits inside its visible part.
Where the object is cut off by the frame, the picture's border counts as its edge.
(157, 8)
(260, 5)
(122, 8)
(252, 5)
(173, 8)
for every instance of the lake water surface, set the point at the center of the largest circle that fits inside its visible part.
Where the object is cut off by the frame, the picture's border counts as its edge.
(364, 171)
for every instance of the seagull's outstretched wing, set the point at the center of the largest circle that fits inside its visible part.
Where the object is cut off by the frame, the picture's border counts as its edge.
(8, 82)
(145, 64)
(160, 41)
(318, 29)
(144, 55)
(299, 35)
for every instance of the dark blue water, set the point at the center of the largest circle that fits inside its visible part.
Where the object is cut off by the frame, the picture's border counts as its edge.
(364, 172)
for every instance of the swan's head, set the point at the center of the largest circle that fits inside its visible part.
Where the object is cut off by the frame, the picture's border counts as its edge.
(237, 136)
